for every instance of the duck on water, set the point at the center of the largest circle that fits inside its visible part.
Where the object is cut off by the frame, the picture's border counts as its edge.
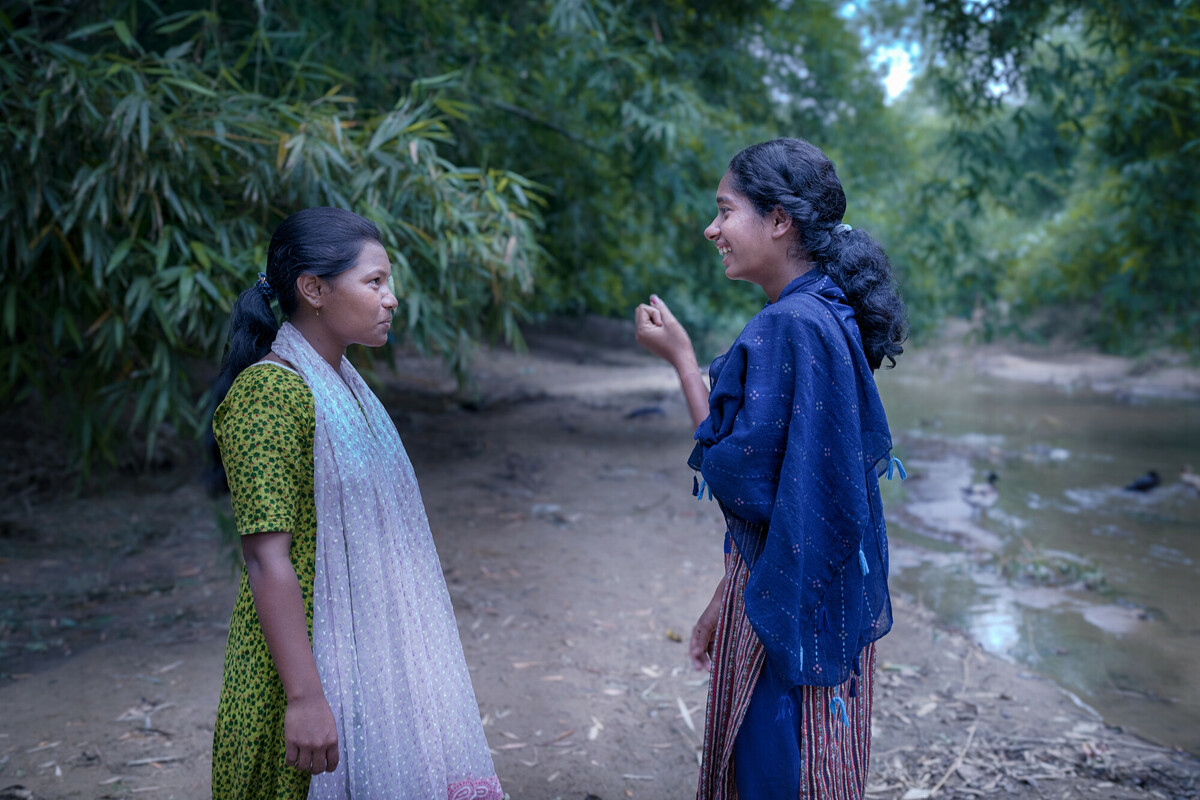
(982, 496)
(1144, 483)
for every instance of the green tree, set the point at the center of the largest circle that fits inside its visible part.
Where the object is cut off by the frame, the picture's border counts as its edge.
(628, 113)
(1080, 123)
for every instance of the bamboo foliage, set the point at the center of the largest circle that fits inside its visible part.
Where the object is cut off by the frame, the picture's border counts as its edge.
(138, 190)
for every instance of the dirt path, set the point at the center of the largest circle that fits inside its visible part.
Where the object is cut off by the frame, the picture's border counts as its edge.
(576, 560)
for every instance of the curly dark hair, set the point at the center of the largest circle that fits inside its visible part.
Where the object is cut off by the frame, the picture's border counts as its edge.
(796, 176)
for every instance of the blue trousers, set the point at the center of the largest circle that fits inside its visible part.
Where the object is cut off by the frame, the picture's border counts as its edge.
(766, 753)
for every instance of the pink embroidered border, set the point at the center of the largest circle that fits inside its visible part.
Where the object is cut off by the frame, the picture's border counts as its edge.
(476, 789)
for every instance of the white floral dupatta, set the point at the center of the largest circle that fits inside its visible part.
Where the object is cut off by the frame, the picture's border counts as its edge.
(384, 636)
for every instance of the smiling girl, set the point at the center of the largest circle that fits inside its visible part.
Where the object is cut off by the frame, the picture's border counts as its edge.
(791, 441)
(344, 673)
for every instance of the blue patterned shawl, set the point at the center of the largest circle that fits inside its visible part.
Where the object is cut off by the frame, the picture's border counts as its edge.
(793, 447)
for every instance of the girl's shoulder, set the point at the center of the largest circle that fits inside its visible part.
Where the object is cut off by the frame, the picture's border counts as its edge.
(267, 384)
(272, 377)
(791, 330)
(795, 313)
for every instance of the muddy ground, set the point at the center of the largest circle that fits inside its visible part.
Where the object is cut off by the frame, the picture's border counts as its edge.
(577, 561)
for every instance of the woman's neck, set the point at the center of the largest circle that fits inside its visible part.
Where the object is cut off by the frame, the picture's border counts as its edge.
(319, 338)
(786, 275)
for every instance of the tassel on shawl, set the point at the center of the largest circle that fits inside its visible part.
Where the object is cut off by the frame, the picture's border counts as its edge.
(784, 710)
(838, 705)
(895, 465)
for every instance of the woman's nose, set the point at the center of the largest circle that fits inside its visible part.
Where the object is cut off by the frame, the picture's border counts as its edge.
(390, 301)
(712, 231)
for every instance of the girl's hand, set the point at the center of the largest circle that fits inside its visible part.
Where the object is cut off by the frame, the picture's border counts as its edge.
(701, 644)
(659, 332)
(310, 734)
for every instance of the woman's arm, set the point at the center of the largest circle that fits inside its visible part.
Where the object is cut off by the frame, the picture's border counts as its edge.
(308, 725)
(659, 332)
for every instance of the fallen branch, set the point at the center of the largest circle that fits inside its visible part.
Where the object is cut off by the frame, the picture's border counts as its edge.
(957, 762)
(141, 762)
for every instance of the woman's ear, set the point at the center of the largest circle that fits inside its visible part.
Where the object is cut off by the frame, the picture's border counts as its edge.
(781, 223)
(310, 290)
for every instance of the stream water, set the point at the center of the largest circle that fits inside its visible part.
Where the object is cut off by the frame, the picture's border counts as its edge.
(1069, 573)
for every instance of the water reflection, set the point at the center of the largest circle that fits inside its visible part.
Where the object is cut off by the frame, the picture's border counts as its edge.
(996, 624)
(1069, 573)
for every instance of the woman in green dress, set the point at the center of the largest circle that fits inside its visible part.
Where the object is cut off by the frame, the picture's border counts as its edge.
(344, 674)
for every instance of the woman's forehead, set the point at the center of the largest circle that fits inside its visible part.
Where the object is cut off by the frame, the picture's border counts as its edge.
(373, 255)
(726, 192)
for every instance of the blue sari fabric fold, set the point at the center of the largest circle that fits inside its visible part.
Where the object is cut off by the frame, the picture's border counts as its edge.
(793, 447)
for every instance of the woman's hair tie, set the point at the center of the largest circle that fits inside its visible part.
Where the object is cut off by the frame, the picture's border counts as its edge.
(842, 227)
(264, 288)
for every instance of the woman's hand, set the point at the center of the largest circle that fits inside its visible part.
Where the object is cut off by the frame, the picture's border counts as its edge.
(310, 734)
(701, 644)
(659, 332)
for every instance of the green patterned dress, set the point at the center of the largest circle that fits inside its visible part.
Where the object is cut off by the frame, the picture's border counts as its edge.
(265, 430)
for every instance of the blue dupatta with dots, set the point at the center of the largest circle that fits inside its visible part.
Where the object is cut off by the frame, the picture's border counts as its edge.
(793, 447)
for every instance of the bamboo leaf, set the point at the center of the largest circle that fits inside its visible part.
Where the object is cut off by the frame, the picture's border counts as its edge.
(209, 288)
(190, 86)
(166, 27)
(119, 254)
(201, 253)
(85, 31)
(144, 124)
(122, 31)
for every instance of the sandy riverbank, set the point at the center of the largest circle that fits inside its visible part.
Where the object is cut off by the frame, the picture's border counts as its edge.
(575, 556)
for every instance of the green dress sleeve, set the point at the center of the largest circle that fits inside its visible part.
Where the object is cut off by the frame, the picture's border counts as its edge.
(264, 429)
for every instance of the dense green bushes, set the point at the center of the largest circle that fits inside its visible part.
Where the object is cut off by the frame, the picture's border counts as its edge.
(140, 186)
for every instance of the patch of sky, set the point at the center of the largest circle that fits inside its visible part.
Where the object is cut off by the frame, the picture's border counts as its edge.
(894, 61)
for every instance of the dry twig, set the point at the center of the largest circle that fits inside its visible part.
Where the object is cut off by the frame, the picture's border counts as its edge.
(957, 762)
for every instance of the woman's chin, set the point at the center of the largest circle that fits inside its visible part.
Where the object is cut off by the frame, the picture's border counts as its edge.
(377, 339)
(732, 274)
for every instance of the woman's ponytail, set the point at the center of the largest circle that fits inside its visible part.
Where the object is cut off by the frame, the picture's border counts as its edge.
(858, 265)
(252, 329)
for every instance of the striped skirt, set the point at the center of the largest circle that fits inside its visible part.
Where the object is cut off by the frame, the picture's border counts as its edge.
(835, 747)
